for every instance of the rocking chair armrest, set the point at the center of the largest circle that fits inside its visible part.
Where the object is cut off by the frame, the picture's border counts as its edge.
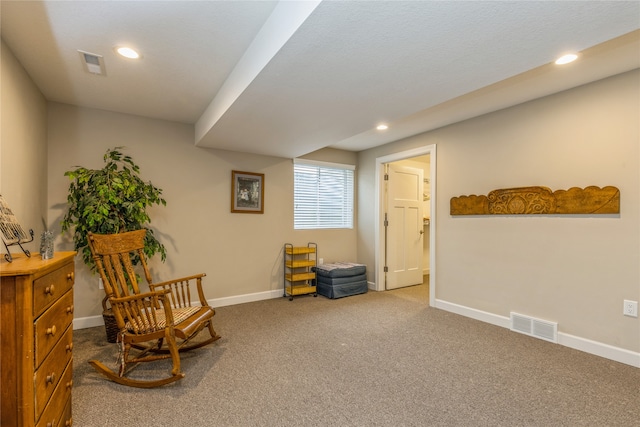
(174, 285)
(155, 299)
(175, 281)
(143, 296)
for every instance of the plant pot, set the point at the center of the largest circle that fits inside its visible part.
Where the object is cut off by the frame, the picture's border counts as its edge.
(110, 324)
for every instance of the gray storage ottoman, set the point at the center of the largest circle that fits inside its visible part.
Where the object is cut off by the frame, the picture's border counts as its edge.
(341, 279)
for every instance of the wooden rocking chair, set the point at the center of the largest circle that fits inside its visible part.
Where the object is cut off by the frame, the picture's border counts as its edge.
(158, 324)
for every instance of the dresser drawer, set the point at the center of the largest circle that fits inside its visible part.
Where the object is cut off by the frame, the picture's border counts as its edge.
(50, 287)
(50, 373)
(51, 325)
(67, 419)
(58, 411)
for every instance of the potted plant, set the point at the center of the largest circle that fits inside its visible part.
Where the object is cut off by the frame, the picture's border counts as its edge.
(110, 200)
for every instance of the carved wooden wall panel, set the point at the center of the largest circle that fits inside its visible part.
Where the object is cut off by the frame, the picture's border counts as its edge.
(539, 200)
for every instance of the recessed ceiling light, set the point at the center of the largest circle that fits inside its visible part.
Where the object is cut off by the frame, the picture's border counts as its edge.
(565, 59)
(382, 126)
(127, 52)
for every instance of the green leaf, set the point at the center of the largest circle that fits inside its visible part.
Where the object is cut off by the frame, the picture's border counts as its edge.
(110, 200)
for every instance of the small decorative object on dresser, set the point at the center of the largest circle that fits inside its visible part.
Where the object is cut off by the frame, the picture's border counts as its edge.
(37, 340)
(46, 245)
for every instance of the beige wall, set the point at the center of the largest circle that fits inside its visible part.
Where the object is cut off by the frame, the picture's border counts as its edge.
(241, 253)
(574, 270)
(23, 147)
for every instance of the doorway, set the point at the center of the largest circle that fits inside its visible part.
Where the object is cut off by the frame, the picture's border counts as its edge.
(400, 234)
(403, 221)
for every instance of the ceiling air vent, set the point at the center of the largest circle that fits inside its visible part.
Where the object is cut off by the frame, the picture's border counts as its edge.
(92, 63)
(542, 329)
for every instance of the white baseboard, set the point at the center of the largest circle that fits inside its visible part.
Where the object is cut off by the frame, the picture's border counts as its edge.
(241, 299)
(92, 321)
(578, 343)
(483, 316)
(599, 349)
(87, 322)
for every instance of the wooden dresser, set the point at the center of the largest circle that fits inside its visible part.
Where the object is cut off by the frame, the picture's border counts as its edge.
(36, 340)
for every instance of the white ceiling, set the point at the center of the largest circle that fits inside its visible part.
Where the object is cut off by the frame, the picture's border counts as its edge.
(288, 78)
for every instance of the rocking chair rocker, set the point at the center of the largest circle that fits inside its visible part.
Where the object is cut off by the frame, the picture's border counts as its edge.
(158, 324)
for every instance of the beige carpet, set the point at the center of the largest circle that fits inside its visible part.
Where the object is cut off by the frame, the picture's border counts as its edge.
(378, 359)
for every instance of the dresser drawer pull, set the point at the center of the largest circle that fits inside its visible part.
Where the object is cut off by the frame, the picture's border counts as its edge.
(70, 309)
(51, 378)
(70, 276)
(70, 384)
(68, 423)
(69, 347)
(51, 424)
(49, 289)
(52, 330)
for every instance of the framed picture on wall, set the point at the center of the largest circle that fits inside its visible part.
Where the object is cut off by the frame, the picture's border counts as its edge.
(247, 192)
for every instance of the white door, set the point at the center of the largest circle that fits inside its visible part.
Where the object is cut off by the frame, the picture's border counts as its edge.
(404, 231)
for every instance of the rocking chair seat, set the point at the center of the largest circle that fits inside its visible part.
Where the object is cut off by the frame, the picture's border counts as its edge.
(189, 325)
(142, 325)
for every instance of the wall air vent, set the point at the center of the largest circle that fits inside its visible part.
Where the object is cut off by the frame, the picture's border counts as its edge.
(92, 63)
(537, 328)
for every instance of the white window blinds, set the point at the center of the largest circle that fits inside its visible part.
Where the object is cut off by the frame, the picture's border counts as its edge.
(323, 195)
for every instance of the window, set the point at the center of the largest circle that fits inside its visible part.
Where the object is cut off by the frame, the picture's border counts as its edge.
(323, 195)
